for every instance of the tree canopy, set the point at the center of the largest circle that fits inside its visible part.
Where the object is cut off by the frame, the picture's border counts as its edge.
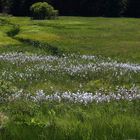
(108, 8)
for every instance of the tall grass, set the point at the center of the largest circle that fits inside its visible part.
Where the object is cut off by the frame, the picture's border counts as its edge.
(69, 55)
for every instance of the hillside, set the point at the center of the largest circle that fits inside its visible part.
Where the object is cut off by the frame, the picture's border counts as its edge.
(73, 78)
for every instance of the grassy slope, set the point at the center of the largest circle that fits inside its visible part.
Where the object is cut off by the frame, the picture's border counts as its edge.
(4, 39)
(109, 37)
(117, 38)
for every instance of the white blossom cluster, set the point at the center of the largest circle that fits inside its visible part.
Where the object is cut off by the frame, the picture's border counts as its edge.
(22, 58)
(121, 94)
(75, 65)
(72, 60)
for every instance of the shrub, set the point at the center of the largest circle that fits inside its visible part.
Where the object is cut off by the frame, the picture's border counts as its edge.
(42, 10)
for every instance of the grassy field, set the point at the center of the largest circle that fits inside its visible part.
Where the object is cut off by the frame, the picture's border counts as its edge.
(118, 37)
(74, 78)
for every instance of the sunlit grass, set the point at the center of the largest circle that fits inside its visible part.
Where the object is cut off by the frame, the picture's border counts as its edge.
(116, 38)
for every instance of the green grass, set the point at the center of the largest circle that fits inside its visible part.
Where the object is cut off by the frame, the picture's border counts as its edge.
(101, 122)
(117, 38)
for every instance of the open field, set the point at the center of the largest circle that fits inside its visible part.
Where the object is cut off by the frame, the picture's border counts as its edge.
(118, 37)
(73, 78)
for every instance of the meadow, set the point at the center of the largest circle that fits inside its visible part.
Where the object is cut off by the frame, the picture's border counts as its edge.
(73, 78)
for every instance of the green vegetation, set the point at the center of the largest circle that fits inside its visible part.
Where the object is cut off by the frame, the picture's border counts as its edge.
(64, 56)
(117, 38)
(42, 10)
(107, 8)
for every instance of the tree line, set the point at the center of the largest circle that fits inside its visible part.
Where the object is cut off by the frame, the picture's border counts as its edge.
(106, 8)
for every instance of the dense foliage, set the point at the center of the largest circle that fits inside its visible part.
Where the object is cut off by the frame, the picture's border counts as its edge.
(43, 10)
(108, 8)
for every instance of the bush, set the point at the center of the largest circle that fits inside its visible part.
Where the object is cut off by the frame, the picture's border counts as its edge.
(42, 10)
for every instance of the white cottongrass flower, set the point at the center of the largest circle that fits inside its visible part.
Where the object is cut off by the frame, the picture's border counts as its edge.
(80, 96)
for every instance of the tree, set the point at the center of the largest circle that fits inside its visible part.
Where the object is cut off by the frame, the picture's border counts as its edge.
(5, 6)
(113, 8)
(108, 8)
(92, 7)
(133, 8)
(43, 10)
